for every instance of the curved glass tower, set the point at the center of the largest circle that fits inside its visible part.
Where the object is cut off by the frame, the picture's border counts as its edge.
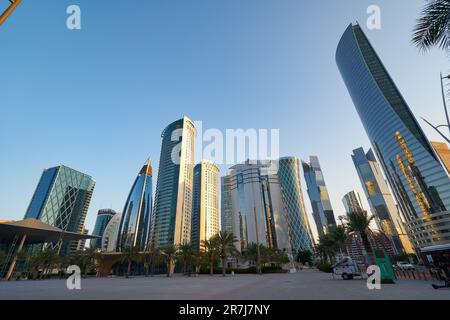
(135, 223)
(418, 180)
(103, 218)
(291, 189)
(171, 222)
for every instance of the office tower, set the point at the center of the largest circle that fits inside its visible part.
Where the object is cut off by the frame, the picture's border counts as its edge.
(443, 152)
(111, 233)
(291, 190)
(205, 209)
(62, 199)
(318, 195)
(134, 229)
(82, 243)
(174, 190)
(382, 205)
(256, 205)
(420, 183)
(103, 218)
(352, 202)
(226, 206)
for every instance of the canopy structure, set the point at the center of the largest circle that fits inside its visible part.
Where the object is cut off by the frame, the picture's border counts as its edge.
(32, 231)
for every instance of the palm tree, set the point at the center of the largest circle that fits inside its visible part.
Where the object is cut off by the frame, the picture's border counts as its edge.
(186, 254)
(130, 255)
(339, 235)
(169, 252)
(433, 27)
(210, 253)
(359, 222)
(91, 257)
(327, 247)
(225, 246)
(149, 257)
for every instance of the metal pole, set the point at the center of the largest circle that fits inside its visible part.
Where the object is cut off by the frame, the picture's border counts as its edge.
(445, 102)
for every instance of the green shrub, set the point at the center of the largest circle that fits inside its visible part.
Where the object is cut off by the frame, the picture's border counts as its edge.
(324, 267)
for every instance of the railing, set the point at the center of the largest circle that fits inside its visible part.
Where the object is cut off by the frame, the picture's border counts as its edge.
(418, 275)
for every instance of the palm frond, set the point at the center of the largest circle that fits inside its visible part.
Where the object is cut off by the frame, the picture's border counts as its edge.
(433, 27)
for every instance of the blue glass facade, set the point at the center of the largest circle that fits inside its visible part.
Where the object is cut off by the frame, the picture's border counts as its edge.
(134, 226)
(289, 177)
(419, 182)
(62, 199)
(103, 218)
(171, 222)
(318, 194)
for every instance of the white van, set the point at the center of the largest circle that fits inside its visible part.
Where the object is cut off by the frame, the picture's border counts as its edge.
(346, 268)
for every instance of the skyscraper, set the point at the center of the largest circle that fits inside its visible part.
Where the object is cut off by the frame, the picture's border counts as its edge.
(318, 194)
(205, 210)
(380, 199)
(174, 191)
(226, 207)
(111, 233)
(352, 202)
(103, 218)
(62, 199)
(257, 209)
(134, 229)
(291, 190)
(420, 184)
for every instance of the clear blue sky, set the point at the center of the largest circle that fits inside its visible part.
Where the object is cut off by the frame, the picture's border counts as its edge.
(97, 99)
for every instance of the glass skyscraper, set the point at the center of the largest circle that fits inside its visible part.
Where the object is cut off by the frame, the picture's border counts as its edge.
(318, 195)
(291, 189)
(62, 199)
(380, 199)
(103, 218)
(134, 229)
(171, 221)
(352, 202)
(205, 209)
(420, 184)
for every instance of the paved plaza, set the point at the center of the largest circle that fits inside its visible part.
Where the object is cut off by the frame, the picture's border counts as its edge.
(307, 284)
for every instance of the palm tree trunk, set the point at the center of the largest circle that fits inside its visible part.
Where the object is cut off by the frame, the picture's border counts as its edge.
(129, 269)
(224, 266)
(211, 268)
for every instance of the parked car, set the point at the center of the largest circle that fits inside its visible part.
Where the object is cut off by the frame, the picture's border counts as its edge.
(346, 268)
(405, 266)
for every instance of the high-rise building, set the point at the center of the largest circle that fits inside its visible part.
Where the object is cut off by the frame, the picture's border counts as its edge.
(291, 190)
(443, 152)
(352, 202)
(103, 218)
(82, 243)
(318, 194)
(226, 205)
(174, 191)
(258, 214)
(205, 209)
(382, 205)
(134, 229)
(420, 183)
(111, 233)
(62, 199)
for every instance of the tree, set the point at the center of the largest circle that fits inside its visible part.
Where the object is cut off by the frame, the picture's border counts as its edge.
(304, 257)
(130, 255)
(210, 253)
(327, 247)
(339, 235)
(169, 252)
(225, 246)
(433, 26)
(91, 257)
(186, 255)
(149, 257)
(359, 222)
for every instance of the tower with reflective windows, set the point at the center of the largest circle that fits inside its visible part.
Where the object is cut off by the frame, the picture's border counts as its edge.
(420, 184)
(380, 200)
(134, 228)
(318, 195)
(103, 218)
(62, 199)
(171, 221)
(352, 202)
(297, 218)
(205, 209)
